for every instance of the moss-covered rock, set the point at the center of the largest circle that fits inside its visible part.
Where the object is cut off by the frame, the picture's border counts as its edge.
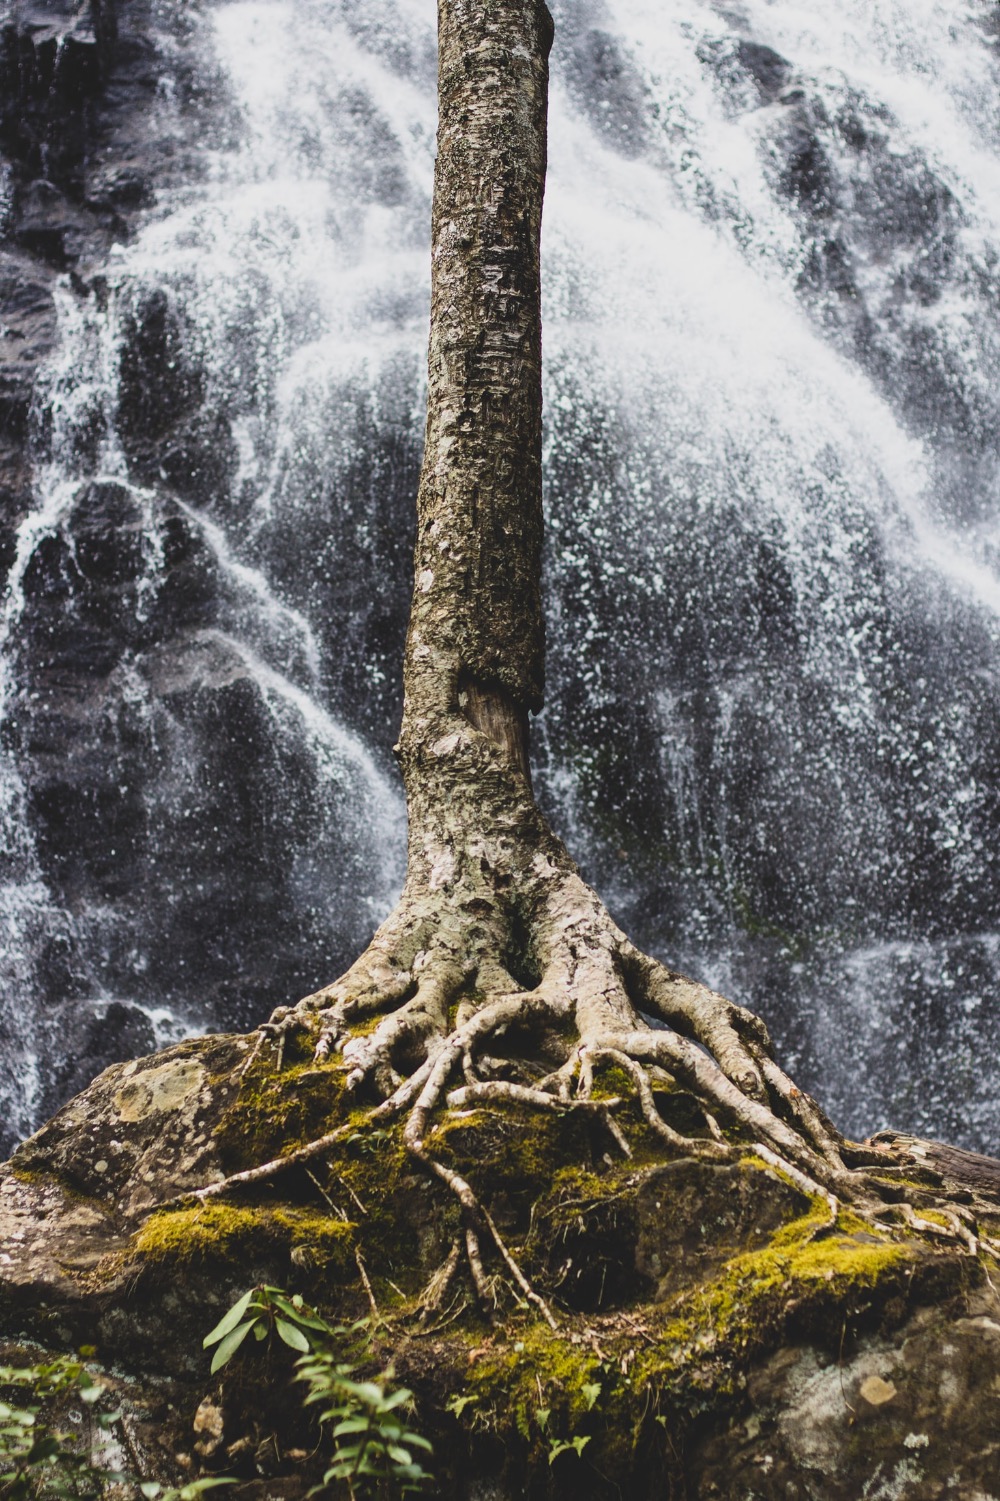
(717, 1335)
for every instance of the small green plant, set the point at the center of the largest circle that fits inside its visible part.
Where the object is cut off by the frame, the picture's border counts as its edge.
(152, 1490)
(267, 1310)
(368, 1142)
(39, 1457)
(371, 1442)
(41, 1460)
(560, 1446)
(372, 1446)
(580, 1441)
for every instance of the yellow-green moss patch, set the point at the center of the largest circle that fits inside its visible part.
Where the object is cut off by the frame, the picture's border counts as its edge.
(221, 1232)
(745, 1308)
(272, 1113)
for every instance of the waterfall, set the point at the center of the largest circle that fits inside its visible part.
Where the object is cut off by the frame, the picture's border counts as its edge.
(772, 349)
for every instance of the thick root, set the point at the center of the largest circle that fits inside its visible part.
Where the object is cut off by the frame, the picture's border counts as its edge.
(443, 1031)
(431, 1016)
(453, 1027)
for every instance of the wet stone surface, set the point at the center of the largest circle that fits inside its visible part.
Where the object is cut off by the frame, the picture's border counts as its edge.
(735, 1344)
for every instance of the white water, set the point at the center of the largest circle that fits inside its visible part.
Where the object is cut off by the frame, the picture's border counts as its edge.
(772, 576)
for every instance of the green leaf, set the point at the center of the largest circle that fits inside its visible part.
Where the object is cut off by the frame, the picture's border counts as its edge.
(394, 1399)
(365, 1391)
(300, 1315)
(557, 1446)
(150, 1489)
(457, 1405)
(351, 1425)
(231, 1344)
(543, 1414)
(591, 1391)
(292, 1335)
(44, 1447)
(228, 1321)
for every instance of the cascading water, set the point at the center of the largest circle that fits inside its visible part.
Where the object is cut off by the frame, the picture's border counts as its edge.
(772, 353)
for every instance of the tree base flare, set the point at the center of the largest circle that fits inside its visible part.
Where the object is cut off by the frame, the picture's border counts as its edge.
(431, 1018)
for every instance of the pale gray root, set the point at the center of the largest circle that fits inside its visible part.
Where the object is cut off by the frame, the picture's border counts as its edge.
(438, 984)
(652, 1116)
(432, 1299)
(500, 1091)
(815, 1190)
(498, 947)
(366, 1283)
(955, 1230)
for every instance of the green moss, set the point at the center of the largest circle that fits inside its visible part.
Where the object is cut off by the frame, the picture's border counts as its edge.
(223, 1232)
(612, 1082)
(543, 1370)
(272, 1113)
(632, 1383)
(745, 1308)
(935, 1217)
(512, 1151)
(45, 1177)
(367, 1025)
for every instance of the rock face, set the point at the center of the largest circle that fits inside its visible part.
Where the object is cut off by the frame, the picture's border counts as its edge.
(900, 1416)
(82, 147)
(717, 1337)
(150, 741)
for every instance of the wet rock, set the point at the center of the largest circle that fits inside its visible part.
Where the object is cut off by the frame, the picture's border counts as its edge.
(609, 86)
(753, 1352)
(692, 1215)
(92, 1035)
(904, 1417)
(768, 69)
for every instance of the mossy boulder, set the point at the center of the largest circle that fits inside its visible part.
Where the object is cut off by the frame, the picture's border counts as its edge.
(718, 1334)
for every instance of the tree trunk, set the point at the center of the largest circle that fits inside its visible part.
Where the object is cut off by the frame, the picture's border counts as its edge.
(476, 620)
(496, 934)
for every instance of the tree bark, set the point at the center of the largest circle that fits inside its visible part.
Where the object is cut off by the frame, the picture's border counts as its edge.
(495, 933)
(476, 620)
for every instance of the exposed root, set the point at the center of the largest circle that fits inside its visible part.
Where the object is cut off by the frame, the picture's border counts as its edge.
(814, 1190)
(432, 1299)
(449, 1025)
(366, 1283)
(953, 1230)
(652, 1116)
(515, 1271)
(497, 1091)
(475, 1212)
(253, 1175)
(479, 1278)
(810, 1117)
